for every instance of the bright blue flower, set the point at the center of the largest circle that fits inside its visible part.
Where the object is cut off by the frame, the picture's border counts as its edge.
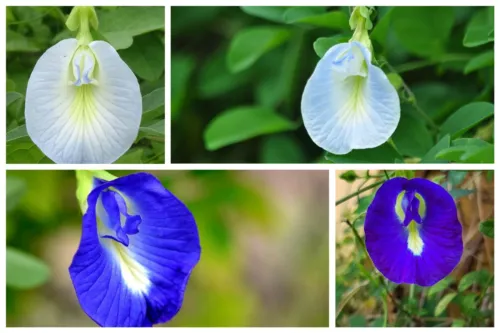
(138, 247)
(412, 231)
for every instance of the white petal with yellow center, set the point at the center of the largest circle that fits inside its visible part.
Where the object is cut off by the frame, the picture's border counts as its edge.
(83, 103)
(348, 103)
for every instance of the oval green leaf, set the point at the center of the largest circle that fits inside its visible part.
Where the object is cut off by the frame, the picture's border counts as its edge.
(482, 60)
(443, 303)
(242, 123)
(486, 228)
(466, 118)
(25, 271)
(249, 44)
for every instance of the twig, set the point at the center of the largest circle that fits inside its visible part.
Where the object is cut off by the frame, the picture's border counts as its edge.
(352, 195)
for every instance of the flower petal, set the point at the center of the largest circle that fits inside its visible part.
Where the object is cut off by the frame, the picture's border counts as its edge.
(349, 110)
(143, 283)
(422, 253)
(75, 118)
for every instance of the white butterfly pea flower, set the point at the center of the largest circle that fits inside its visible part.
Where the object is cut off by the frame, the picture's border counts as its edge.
(83, 103)
(348, 103)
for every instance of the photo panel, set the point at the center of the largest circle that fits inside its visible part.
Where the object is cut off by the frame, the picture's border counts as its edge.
(85, 85)
(304, 84)
(167, 248)
(414, 248)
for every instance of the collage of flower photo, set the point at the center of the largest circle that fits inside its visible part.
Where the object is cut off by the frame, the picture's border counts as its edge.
(249, 166)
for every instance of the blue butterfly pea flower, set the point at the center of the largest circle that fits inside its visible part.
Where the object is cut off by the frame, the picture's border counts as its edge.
(138, 247)
(412, 231)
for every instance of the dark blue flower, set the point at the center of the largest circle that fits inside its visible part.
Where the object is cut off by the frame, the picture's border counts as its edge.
(138, 247)
(412, 231)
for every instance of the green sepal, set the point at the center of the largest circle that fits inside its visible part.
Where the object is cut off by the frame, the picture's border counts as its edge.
(85, 184)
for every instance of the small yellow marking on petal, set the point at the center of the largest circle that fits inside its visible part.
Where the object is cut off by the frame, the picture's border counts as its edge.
(415, 242)
(399, 206)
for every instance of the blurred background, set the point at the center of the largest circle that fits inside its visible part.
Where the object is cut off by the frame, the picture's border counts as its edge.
(464, 298)
(258, 59)
(264, 238)
(137, 33)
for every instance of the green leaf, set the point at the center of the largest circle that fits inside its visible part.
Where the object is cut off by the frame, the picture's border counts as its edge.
(323, 44)
(357, 321)
(19, 43)
(182, 68)
(120, 25)
(363, 204)
(133, 156)
(146, 57)
(408, 129)
(25, 271)
(479, 29)
(468, 150)
(430, 157)
(282, 149)
(486, 228)
(215, 79)
(157, 129)
(466, 118)
(423, 31)
(349, 176)
(13, 96)
(443, 303)
(480, 277)
(381, 154)
(243, 123)
(153, 107)
(457, 193)
(479, 155)
(458, 323)
(17, 133)
(482, 60)
(440, 286)
(249, 44)
(153, 100)
(11, 85)
(16, 187)
(317, 17)
(271, 13)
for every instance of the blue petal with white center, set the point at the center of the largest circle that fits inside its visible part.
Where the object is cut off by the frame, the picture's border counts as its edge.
(348, 103)
(138, 247)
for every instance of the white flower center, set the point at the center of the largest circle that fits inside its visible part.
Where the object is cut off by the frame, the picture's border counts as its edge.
(350, 62)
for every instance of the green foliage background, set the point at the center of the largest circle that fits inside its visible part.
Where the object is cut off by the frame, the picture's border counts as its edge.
(264, 242)
(238, 74)
(464, 298)
(138, 33)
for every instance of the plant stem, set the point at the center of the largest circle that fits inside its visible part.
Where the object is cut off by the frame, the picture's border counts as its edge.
(352, 195)
(425, 63)
(386, 175)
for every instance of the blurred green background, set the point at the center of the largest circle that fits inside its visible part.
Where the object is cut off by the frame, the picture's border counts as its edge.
(238, 73)
(137, 33)
(264, 238)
